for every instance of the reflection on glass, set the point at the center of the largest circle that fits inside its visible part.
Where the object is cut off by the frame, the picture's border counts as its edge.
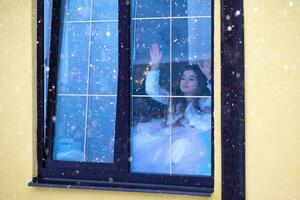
(104, 58)
(101, 129)
(171, 104)
(69, 137)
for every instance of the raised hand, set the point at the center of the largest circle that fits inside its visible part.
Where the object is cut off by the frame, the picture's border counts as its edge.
(206, 67)
(155, 56)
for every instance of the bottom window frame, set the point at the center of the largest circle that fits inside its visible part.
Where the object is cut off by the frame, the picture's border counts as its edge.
(120, 186)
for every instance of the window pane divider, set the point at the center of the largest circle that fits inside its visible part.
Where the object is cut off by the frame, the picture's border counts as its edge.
(171, 17)
(89, 21)
(87, 103)
(169, 96)
(90, 95)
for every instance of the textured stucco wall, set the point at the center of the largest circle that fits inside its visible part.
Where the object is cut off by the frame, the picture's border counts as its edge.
(272, 38)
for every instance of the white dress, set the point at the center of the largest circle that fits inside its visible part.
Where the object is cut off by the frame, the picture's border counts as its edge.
(163, 148)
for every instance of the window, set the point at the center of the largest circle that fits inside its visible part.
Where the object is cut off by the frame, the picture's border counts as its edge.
(129, 95)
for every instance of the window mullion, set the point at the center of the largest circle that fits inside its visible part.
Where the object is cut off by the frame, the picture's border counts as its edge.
(122, 137)
(52, 83)
(88, 84)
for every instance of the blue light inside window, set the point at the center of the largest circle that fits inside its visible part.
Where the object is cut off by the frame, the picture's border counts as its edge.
(47, 39)
(87, 81)
(170, 132)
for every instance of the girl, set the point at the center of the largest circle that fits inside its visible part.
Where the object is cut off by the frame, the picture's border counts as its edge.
(180, 144)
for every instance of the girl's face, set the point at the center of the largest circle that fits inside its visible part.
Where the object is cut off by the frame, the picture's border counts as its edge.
(188, 83)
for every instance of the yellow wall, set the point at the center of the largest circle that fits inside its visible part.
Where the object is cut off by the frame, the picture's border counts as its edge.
(272, 30)
(272, 93)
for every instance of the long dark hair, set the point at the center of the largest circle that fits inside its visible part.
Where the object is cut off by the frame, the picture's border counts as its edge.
(179, 104)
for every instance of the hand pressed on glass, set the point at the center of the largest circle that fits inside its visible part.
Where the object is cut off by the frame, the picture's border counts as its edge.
(155, 56)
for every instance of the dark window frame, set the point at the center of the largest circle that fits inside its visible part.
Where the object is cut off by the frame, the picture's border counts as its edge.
(232, 100)
(232, 119)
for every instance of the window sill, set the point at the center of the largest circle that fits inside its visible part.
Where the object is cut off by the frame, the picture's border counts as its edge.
(120, 186)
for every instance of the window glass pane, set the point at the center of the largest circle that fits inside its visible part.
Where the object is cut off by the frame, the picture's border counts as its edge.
(76, 10)
(191, 40)
(47, 29)
(73, 65)
(191, 138)
(70, 128)
(47, 39)
(101, 128)
(150, 138)
(171, 91)
(144, 34)
(145, 108)
(105, 10)
(104, 58)
(87, 83)
(191, 8)
(139, 73)
(150, 8)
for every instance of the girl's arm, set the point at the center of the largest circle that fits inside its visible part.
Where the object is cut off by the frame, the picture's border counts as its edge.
(153, 88)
